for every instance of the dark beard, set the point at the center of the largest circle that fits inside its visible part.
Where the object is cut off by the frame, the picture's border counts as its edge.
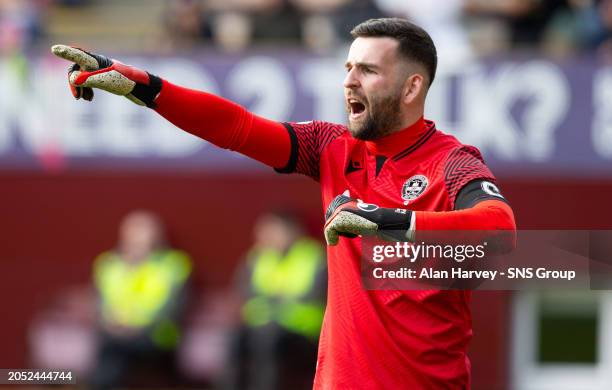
(383, 117)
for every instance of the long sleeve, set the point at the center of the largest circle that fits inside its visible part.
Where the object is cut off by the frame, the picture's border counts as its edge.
(488, 220)
(225, 124)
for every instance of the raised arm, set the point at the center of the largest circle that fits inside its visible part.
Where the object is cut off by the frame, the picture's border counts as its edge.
(207, 116)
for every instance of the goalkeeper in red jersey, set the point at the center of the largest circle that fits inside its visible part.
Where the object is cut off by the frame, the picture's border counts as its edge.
(412, 176)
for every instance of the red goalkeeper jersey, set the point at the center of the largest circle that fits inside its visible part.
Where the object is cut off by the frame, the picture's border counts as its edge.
(370, 339)
(388, 339)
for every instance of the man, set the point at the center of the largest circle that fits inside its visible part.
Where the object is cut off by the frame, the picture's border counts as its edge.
(141, 286)
(420, 179)
(282, 286)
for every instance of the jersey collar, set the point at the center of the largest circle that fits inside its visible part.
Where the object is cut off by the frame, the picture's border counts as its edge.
(406, 139)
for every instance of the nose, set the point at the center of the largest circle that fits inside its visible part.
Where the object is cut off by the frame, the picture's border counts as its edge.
(351, 81)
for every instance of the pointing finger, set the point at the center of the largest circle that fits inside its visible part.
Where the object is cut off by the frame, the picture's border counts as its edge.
(86, 61)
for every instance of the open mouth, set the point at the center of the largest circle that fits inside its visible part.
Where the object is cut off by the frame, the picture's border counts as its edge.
(356, 107)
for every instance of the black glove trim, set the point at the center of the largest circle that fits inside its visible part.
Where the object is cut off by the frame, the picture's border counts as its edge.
(387, 218)
(393, 224)
(148, 93)
(103, 61)
(337, 202)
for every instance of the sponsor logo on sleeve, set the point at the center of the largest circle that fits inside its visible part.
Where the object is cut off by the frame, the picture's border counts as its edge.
(490, 189)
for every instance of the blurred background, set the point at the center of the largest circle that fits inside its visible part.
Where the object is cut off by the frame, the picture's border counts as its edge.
(93, 194)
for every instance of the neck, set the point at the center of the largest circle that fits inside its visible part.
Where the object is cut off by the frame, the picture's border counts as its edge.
(409, 119)
(399, 140)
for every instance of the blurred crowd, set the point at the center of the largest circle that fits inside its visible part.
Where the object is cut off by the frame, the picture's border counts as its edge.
(141, 323)
(461, 28)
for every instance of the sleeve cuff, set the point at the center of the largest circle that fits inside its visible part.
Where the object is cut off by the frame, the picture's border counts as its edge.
(293, 156)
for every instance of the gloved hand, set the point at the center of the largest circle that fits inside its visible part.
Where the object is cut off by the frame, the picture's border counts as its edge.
(96, 71)
(349, 217)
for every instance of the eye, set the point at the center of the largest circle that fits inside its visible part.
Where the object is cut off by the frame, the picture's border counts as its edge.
(368, 71)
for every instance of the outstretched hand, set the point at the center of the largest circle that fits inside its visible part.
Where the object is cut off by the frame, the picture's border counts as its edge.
(90, 71)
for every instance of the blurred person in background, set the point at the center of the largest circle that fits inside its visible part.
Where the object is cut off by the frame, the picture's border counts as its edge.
(594, 26)
(141, 286)
(556, 27)
(20, 26)
(185, 24)
(21, 22)
(499, 25)
(443, 20)
(282, 287)
(237, 23)
(324, 22)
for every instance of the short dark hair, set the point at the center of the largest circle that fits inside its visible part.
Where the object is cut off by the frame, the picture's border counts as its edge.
(414, 43)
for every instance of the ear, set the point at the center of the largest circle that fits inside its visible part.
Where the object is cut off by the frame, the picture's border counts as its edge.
(413, 87)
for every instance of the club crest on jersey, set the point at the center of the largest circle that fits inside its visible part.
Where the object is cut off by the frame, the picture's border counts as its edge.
(414, 187)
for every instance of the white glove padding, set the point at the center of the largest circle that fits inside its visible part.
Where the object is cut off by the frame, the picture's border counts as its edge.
(95, 71)
(349, 217)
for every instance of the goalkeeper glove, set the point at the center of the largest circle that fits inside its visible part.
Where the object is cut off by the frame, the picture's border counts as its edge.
(95, 71)
(349, 217)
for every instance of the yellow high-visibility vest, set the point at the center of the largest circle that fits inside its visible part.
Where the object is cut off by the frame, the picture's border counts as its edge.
(282, 284)
(133, 294)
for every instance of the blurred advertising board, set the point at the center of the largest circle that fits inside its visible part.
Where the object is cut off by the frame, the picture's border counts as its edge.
(528, 116)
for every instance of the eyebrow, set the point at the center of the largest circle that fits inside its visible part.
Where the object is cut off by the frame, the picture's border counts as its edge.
(361, 65)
